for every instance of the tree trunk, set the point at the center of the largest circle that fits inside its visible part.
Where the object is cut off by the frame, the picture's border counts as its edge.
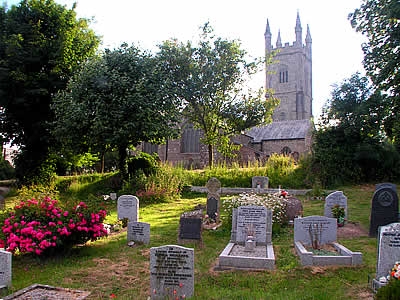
(103, 154)
(210, 156)
(122, 155)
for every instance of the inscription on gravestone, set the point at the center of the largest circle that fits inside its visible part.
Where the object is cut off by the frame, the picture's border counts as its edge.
(327, 229)
(255, 216)
(171, 272)
(388, 248)
(138, 232)
(384, 208)
(128, 207)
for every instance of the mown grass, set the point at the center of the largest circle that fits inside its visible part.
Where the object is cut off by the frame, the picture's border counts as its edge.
(109, 266)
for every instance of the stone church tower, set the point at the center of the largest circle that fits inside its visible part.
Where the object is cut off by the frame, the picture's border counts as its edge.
(290, 75)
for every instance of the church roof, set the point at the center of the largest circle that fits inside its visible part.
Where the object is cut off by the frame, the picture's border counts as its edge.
(280, 130)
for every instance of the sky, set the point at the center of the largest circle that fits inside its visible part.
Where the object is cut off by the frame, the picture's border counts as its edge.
(336, 47)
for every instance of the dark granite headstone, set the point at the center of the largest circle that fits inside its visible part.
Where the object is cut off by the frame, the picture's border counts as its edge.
(190, 225)
(212, 208)
(384, 208)
(294, 208)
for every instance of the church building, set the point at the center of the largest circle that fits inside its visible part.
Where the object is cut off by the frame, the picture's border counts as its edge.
(290, 77)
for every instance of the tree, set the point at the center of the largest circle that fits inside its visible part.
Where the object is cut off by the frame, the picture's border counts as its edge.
(350, 145)
(212, 81)
(379, 21)
(116, 101)
(41, 43)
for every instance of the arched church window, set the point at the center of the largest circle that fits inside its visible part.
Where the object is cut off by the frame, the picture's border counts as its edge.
(190, 140)
(286, 150)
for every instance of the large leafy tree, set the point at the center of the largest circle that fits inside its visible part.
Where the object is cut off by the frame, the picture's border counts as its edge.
(350, 145)
(116, 101)
(41, 44)
(212, 79)
(379, 21)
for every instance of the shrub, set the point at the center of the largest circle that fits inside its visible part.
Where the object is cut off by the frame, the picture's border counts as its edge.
(40, 226)
(6, 170)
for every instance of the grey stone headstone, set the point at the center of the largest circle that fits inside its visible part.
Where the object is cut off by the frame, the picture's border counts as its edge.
(260, 182)
(255, 216)
(213, 185)
(384, 208)
(331, 200)
(5, 268)
(2, 202)
(388, 248)
(128, 207)
(171, 272)
(138, 232)
(327, 228)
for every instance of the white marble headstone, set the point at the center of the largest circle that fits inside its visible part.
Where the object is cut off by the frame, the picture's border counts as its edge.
(128, 207)
(5, 268)
(388, 248)
(138, 232)
(331, 200)
(324, 226)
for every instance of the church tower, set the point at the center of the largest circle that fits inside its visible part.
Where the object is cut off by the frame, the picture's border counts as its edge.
(290, 74)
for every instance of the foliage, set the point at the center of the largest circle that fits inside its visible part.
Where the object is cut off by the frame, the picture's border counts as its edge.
(6, 170)
(378, 20)
(41, 44)
(338, 211)
(116, 101)
(273, 202)
(349, 145)
(164, 184)
(39, 226)
(211, 78)
(390, 291)
(148, 163)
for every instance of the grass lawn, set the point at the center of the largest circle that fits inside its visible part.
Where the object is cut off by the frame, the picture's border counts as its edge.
(109, 266)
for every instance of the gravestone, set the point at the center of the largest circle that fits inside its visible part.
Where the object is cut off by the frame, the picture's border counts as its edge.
(259, 182)
(294, 208)
(384, 208)
(213, 199)
(171, 272)
(190, 226)
(257, 217)
(335, 198)
(388, 249)
(138, 232)
(5, 268)
(128, 207)
(321, 227)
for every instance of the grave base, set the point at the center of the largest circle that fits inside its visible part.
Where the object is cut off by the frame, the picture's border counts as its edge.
(234, 257)
(345, 257)
(41, 291)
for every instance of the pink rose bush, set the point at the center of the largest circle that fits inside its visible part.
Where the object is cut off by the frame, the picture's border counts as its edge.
(37, 226)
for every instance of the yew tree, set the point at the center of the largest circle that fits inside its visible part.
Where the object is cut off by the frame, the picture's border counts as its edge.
(42, 44)
(212, 79)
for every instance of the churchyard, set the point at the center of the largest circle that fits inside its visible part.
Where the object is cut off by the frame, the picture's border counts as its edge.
(110, 269)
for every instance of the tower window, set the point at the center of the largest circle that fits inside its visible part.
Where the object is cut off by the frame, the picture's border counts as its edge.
(283, 74)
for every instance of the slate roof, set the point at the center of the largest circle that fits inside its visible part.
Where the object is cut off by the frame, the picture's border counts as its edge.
(280, 130)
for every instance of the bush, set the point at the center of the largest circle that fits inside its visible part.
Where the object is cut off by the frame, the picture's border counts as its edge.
(6, 170)
(40, 226)
(143, 161)
(391, 291)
